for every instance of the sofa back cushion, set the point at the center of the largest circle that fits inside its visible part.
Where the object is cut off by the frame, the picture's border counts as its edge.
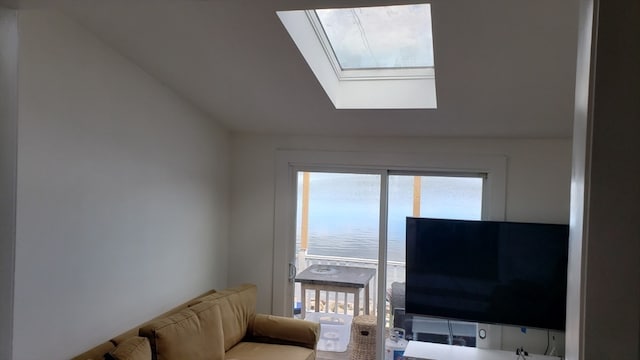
(194, 334)
(238, 308)
(134, 331)
(134, 348)
(96, 353)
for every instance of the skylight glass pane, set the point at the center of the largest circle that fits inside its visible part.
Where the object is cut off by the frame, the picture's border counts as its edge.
(396, 36)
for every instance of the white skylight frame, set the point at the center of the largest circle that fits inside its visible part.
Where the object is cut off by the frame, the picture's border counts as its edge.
(395, 88)
(363, 74)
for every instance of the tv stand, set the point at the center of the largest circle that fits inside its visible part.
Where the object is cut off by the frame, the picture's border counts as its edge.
(431, 351)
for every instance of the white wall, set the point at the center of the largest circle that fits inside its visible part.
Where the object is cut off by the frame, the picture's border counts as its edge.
(122, 193)
(538, 183)
(8, 148)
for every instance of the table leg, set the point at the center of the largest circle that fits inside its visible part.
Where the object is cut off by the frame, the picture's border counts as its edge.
(356, 302)
(366, 299)
(303, 296)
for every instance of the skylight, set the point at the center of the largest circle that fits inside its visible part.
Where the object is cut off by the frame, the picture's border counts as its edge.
(370, 57)
(379, 37)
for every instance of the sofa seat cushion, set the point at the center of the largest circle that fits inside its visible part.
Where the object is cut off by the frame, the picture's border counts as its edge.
(134, 348)
(261, 351)
(192, 334)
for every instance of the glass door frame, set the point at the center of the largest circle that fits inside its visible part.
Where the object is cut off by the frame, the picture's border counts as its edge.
(290, 162)
(382, 225)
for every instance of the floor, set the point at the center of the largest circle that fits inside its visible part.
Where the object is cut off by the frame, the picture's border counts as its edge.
(331, 327)
(329, 355)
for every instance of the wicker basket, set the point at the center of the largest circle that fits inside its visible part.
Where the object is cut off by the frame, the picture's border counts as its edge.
(363, 338)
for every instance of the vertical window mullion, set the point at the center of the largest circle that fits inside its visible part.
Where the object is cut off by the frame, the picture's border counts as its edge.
(382, 264)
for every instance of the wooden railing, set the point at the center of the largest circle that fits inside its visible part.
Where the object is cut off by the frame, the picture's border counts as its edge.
(395, 270)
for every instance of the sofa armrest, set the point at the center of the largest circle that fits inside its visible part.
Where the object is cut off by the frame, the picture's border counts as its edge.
(283, 330)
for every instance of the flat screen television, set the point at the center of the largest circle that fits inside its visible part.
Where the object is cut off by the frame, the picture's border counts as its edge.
(488, 271)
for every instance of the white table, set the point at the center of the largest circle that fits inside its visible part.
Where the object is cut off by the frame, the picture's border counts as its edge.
(432, 351)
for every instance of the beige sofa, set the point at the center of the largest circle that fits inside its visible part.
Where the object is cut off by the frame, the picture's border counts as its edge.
(214, 326)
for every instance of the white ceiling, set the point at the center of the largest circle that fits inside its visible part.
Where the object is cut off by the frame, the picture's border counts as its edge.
(504, 68)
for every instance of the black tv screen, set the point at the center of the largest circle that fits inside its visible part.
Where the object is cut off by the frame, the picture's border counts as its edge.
(488, 271)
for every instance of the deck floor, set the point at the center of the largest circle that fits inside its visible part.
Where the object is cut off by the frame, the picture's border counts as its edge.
(329, 355)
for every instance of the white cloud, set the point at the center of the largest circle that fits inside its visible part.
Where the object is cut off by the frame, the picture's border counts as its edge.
(387, 36)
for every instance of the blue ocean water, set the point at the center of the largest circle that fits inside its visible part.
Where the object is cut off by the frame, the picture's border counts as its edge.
(344, 210)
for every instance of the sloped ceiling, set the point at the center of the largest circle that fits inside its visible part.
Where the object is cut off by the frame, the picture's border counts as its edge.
(504, 68)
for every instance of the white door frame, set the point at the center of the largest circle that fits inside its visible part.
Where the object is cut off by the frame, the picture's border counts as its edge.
(289, 162)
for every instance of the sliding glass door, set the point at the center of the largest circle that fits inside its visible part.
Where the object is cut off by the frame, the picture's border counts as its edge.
(445, 196)
(338, 220)
(347, 223)
(337, 248)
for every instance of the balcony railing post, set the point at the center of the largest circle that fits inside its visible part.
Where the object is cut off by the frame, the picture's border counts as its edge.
(301, 260)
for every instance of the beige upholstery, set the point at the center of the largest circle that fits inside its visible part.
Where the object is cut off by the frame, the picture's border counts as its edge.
(134, 332)
(219, 325)
(260, 351)
(194, 333)
(134, 348)
(279, 330)
(97, 352)
(238, 308)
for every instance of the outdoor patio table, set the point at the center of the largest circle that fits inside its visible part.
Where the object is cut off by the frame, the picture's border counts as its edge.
(336, 278)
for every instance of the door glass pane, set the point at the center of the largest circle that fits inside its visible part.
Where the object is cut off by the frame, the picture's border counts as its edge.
(337, 237)
(343, 215)
(447, 197)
